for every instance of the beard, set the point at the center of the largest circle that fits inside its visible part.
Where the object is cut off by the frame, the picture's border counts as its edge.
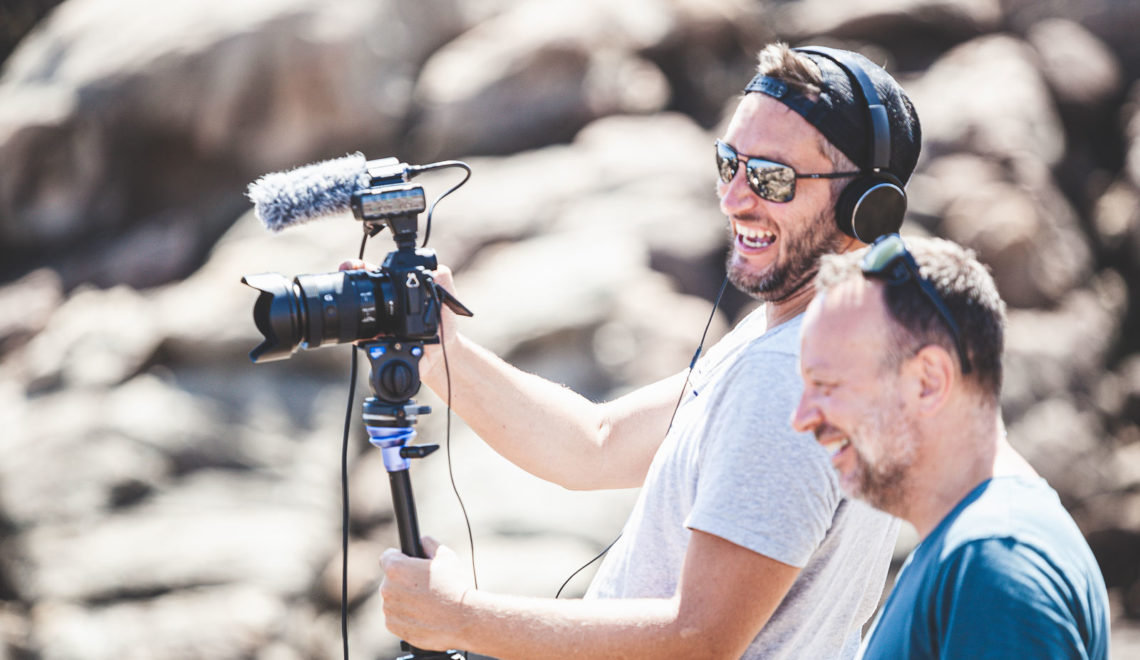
(801, 253)
(882, 481)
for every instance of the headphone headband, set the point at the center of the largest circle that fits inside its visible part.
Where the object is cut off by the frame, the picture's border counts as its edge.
(876, 113)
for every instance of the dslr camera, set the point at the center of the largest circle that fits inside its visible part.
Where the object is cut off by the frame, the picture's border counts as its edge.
(397, 301)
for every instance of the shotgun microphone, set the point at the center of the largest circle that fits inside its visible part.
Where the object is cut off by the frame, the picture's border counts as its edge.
(284, 199)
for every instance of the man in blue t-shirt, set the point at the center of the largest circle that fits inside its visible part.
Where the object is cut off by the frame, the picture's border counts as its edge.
(901, 362)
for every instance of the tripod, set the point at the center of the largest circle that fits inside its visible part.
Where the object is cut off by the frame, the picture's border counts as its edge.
(389, 417)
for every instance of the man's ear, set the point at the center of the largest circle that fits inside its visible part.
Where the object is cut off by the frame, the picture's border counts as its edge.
(931, 373)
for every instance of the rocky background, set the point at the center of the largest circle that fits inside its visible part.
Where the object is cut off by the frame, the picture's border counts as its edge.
(161, 497)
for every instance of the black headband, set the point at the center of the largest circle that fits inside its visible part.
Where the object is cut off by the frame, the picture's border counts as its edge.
(849, 112)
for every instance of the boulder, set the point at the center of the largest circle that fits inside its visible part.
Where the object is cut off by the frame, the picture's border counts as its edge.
(987, 96)
(1051, 353)
(1113, 22)
(1132, 135)
(1015, 218)
(1080, 69)
(891, 22)
(214, 529)
(26, 305)
(228, 622)
(1065, 446)
(536, 74)
(121, 114)
(96, 338)
(17, 18)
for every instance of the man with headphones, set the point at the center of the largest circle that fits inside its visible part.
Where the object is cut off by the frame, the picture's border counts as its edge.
(741, 543)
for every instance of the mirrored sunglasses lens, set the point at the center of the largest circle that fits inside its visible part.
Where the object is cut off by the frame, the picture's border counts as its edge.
(772, 181)
(725, 161)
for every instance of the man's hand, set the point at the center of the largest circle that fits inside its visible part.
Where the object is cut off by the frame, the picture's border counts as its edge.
(423, 598)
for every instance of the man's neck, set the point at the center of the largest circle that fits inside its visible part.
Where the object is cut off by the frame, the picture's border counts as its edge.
(956, 459)
(795, 304)
(790, 307)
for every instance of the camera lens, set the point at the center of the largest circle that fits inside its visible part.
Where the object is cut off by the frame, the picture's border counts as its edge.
(314, 310)
(339, 307)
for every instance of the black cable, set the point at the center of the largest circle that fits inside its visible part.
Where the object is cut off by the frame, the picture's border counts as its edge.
(344, 507)
(676, 406)
(413, 171)
(344, 520)
(450, 471)
(583, 567)
(697, 354)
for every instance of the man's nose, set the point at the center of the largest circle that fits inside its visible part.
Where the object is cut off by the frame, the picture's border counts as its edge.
(806, 417)
(736, 198)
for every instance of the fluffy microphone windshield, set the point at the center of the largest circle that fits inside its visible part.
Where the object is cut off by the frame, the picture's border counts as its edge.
(283, 199)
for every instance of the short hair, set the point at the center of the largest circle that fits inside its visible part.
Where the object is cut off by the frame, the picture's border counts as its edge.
(778, 60)
(838, 108)
(969, 291)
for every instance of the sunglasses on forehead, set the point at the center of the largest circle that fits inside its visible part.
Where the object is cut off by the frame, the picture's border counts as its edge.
(770, 180)
(889, 260)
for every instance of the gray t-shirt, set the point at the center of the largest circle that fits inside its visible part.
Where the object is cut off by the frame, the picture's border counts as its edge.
(732, 466)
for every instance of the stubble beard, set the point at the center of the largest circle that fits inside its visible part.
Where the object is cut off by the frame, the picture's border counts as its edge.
(800, 264)
(883, 482)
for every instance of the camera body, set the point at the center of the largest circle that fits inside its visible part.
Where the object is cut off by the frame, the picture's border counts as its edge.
(398, 301)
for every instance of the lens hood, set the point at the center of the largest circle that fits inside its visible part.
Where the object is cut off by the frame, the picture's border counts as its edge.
(278, 315)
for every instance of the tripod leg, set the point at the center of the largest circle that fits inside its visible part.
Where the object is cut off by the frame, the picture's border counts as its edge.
(407, 524)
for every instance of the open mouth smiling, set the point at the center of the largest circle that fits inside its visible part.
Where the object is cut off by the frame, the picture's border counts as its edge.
(754, 238)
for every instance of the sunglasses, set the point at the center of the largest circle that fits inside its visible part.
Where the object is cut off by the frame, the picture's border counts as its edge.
(889, 260)
(770, 180)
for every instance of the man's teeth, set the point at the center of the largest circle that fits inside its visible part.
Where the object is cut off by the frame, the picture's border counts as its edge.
(756, 238)
(835, 446)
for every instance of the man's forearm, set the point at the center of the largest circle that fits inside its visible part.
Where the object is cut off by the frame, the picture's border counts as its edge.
(726, 595)
(517, 627)
(547, 429)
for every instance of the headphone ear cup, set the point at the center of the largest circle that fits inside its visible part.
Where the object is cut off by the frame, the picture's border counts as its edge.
(870, 207)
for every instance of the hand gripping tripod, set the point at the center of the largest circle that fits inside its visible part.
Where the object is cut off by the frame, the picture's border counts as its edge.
(389, 417)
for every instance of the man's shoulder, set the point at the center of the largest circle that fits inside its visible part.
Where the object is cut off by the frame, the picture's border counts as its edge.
(1016, 534)
(753, 351)
(1019, 509)
(781, 341)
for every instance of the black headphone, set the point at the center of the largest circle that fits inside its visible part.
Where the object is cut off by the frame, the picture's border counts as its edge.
(875, 202)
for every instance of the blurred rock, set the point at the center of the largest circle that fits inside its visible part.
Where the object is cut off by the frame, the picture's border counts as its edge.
(93, 470)
(17, 18)
(1079, 68)
(1131, 120)
(939, 22)
(1051, 353)
(1113, 22)
(126, 113)
(363, 574)
(25, 307)
(1064, 445)
(1018, 222)
(215, 529)
(1116, 219)
(96, 338)
(558, 65)
(209, 622)
(988, 96)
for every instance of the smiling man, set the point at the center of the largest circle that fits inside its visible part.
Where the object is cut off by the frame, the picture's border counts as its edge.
(740, 544)
(901, 361)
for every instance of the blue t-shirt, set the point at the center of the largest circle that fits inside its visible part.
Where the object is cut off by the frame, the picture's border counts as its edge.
(1006, 574)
